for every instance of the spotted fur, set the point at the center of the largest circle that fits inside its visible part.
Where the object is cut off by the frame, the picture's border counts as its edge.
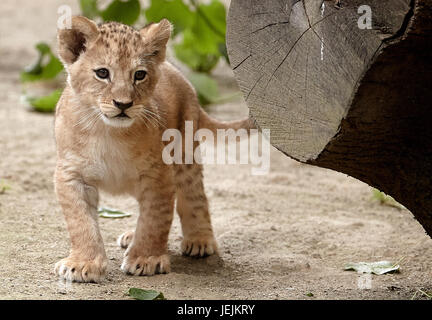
(97, 150)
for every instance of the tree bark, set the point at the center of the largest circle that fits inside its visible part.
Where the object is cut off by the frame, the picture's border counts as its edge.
(354, 100)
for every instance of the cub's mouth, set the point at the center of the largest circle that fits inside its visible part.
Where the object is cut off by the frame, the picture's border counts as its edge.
(122, 120)
(114, 117)
(122, 115)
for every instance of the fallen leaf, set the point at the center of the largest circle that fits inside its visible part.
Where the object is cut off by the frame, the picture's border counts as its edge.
(379, 267)
(112, 213)
(385, 199)
(142, 294)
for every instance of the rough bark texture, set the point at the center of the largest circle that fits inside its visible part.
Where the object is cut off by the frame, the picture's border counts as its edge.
(333, 95)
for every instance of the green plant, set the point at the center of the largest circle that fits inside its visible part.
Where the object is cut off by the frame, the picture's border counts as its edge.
(3, 187)
(46, 103)
(385, 200)
(46, 67)
(422, 293)
(199, 41)
(202, 27)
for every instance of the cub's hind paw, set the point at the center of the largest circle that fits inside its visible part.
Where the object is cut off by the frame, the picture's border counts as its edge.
(199, 246)
(74, 269)
(125, 239)
(146, 266)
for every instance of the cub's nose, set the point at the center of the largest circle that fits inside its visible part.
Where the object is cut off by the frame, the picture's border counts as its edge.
(122, 106)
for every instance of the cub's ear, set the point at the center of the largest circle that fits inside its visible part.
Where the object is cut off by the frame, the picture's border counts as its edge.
(72, 42)
(156, 35)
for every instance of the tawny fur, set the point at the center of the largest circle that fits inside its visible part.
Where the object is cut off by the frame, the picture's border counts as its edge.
(97, 151)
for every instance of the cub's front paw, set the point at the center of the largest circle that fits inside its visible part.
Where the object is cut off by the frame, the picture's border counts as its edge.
(145, 265)
(199, 245)
(125, 239)
(79, 270)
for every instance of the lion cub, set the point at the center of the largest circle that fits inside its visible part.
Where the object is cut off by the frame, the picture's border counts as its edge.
(120, 96)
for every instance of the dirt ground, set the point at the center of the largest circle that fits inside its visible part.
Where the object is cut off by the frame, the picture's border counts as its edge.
(281, 236)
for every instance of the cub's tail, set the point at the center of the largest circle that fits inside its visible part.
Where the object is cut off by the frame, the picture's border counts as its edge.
(212, 124)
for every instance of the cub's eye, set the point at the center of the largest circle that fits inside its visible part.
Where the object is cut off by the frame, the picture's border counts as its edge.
(140, 75)
(102, 73)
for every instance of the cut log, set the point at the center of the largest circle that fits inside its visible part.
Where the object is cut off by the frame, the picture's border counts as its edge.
(354, 100)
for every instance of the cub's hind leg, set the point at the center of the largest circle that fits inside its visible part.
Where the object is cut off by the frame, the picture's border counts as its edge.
(125, 239)
(192, 207)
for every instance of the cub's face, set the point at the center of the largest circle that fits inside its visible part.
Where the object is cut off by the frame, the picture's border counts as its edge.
(113, 68)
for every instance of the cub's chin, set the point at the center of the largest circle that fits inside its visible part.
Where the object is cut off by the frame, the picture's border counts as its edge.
(118, 122)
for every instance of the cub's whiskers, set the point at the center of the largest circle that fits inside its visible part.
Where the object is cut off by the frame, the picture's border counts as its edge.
(89, 119)
(153, 118)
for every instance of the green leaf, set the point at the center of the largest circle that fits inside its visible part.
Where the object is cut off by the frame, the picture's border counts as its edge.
(89, 8)
(47, 103)
(190, 52)
(141, 294)
(204, 42)
(209, 27)
(379, 267)
(207, 88)
(310, 294)
(214, 14)
(112, 213)
(42, 70)
(126, 12)
(176, 11)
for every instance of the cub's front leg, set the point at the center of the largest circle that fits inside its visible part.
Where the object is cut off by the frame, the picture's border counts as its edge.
(192, 207)
(87, 260)
(147, 253)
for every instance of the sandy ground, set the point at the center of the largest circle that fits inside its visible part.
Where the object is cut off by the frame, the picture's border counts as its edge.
(281, 235)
